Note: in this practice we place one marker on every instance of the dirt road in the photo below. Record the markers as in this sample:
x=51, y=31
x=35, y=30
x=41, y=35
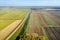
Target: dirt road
x=5, y=32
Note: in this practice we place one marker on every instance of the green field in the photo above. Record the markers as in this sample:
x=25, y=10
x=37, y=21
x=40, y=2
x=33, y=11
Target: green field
x=4, y=23
x=20, y=30
x=9, y=15
x=13, y=14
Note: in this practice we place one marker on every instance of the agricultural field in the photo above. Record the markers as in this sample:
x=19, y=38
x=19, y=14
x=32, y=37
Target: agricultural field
x=49, y=20
x=29, y=24
x=10, y=17
x=7, y=16
x=55, y=13
x=4, y=23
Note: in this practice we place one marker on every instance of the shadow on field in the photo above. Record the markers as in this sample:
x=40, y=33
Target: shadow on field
x=22, y=33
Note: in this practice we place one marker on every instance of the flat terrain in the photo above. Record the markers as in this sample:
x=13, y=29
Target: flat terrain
x=55, y=13
x=9, y=15
x=10, y=18
x=13, y=14
x=34, y=28
x=6, y=31
x=4, y=23
x=53, y=17
x=38, y=23
x=34, y=24
x=29, y=24
x=51, y=21
x=51, y=27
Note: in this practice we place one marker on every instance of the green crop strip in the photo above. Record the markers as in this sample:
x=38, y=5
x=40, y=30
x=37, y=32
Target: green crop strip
x=50, y=21
x=46, y=37
x=7, y=16
x=17, y=33
x=4, y=23
x=17, y=14
x=22, y=33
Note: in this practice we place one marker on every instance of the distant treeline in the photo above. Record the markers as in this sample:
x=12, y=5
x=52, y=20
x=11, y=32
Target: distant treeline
x=42, y=7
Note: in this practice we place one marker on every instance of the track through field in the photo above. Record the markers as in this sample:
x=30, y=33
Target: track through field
x=6, y=31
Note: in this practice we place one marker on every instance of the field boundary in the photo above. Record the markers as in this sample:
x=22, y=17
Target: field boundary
x=5, y=32
x=53, y=17
x=15, y=30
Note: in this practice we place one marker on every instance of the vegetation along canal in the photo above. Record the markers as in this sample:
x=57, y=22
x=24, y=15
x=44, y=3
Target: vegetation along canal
x=22, y=33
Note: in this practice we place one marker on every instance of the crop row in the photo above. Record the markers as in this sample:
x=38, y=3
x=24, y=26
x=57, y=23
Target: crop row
x=50, y=22
x=7, y=16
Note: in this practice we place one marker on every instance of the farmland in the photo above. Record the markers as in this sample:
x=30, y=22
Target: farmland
x=7, y=16
x=29, y=24
x=55, y=13
x=4, y=23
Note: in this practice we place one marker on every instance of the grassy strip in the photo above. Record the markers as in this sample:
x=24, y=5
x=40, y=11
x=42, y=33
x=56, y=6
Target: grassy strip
x=32, y=36
x=23, y=31
x=4, y=23
x=45, y=35
x=1, y=14
x=50, y=21
x=28, y=36
x=17, y=14
x=7, y=16
x=55, y=13
x=13, y=37
x=18, y=31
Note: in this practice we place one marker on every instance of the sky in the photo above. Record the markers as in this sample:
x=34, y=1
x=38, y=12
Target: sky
x=29, y=2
